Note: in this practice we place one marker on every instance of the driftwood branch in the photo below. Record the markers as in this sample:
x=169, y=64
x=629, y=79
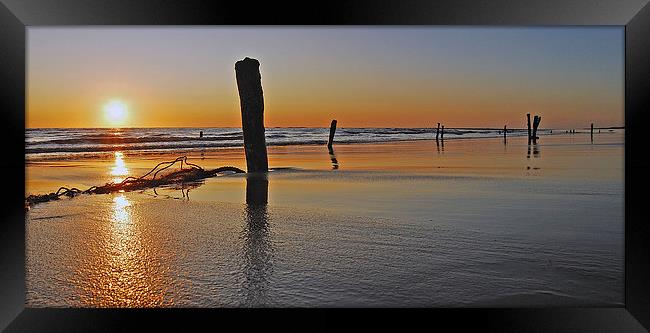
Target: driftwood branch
x=194, y=173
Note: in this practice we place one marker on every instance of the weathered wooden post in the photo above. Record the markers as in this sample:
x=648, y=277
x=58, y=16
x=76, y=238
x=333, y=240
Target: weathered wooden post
x=332, y=131
x=442, y=132
x=529, y=134
x=249, y=83
x=437, y=131
x=504, y=132
x=536, y=121
x=592, y=132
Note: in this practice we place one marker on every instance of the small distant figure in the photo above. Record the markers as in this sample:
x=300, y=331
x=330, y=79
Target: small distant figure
x=201, y=134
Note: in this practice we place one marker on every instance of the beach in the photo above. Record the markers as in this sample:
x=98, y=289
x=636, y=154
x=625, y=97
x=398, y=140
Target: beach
x=471, y=221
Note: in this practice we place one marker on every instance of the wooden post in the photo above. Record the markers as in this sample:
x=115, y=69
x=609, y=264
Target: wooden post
x=592, y=132
x=332, y=131
x=442, y=132
x=536, y=121
x=504, y=132
x=529, y=133
x=437, y=131
x=249, y=83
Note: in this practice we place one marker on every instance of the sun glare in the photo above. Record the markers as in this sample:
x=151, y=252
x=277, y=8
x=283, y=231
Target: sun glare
x=115, y=112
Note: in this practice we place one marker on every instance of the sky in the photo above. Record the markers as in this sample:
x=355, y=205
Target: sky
x=361, y=76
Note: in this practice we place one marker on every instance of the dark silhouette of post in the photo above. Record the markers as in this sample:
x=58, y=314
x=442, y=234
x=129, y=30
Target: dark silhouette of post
x=442, y=132
x=249, y=83
x=332, y=131
x=257, y=189
x=592, y=132
x=504, y=132
x=529, y=133
x=437, y=131
x=536, y=121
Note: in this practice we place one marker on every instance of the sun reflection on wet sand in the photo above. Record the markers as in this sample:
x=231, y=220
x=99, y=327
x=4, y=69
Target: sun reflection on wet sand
x=120, y=215
x=127, y=274
x=119, y=169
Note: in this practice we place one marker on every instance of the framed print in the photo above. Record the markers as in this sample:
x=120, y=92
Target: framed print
x=474, y=164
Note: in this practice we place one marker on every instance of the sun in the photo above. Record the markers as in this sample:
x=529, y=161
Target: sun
x=116, y=112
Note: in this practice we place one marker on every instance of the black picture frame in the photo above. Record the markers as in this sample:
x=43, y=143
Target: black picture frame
x=17, y=15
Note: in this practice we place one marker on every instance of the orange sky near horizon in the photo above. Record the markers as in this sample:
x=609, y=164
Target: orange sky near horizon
x=460, y=80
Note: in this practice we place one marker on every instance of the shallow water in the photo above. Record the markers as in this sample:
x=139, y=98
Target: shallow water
x=397, y=224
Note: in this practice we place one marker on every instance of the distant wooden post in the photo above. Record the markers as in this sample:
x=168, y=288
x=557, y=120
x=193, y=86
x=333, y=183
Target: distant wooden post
x=529, y=133
x=442, y=132
x=592, y=132
x=504, y=132
x=536, y=121
x=249, y=83
x=437, y=131
x=332, y=131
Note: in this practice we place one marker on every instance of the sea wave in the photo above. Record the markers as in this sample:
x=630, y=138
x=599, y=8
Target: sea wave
x=65, y=141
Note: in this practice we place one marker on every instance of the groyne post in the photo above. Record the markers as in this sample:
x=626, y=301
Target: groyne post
x=529, y=133
x=592, y=132
x=536, y=121
x=249, y=84
x=437, y=131
x=332, y=131
x=442, y=132
x=504, y=132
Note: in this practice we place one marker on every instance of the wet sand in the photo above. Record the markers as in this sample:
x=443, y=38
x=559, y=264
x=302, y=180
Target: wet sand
x=472, y=222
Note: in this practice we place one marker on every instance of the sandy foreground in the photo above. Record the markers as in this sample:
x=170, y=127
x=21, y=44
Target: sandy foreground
x=471, y=222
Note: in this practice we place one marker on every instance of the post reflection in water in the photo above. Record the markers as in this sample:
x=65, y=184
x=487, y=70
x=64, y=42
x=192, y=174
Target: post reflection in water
x=258, y=251
x=535, y=154
x=335, y=162
x=535, y=151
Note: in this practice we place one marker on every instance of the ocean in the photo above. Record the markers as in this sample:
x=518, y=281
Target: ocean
x=56, y=143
